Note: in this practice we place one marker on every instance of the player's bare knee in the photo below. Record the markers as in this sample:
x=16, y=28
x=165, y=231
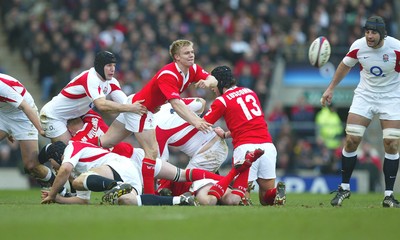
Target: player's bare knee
x=31, y=167
x=78, y=183
x=352, y=142
x=231, y=199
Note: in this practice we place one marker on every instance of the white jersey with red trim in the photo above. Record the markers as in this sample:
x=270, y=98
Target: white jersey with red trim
x=12, y=92
x=76, y=99
x=379, y=68
x=172, y=130
x=85, y=156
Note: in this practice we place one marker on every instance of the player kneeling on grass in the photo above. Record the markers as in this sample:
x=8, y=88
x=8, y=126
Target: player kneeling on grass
x=99, y=170
x=245, y=120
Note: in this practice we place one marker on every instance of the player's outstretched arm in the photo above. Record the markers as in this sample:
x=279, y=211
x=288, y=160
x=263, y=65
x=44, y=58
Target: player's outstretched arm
x=61, y=178
x=209, y=82
x=105, y=105
x=341, y=71
x=65, y=200
x=183, y=111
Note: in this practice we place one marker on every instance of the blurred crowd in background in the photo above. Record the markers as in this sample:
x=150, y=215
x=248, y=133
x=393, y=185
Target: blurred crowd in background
x=58, y=39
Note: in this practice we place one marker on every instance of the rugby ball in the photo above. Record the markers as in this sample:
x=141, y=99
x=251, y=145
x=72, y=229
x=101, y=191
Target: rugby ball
x=319, y=52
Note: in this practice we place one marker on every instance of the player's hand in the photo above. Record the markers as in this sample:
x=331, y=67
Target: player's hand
x=326, y=98
x=203, y=126
x=139, y=108
x=201, y=84
x=48, y=200
x=220, y=132
x=44, y=193
x=41, y=132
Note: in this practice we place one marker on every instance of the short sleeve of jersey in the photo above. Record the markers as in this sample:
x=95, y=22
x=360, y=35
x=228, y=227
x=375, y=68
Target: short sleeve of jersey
x=201, y=74
x=93, y=88
x=116, y=94
x=71, y=156
x=168, y=86
x=216, y=111
x=351, y=58
x=9, y=95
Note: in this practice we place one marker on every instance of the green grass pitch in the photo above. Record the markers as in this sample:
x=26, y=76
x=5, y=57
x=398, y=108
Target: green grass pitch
x=305, y=216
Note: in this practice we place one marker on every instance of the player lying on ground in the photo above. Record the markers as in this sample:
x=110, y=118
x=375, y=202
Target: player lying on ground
x=207, y=191
x=97, y=169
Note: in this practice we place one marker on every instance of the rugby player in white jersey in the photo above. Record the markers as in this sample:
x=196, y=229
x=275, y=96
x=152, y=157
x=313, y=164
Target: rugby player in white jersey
x=377, y=94
x=206, y=150
x=87, y=90
x=19, y=121
x=97, y=169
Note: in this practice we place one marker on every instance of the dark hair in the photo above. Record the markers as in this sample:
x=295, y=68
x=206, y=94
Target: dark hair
x=224, y=76
x=376, y=23
x=103, y=58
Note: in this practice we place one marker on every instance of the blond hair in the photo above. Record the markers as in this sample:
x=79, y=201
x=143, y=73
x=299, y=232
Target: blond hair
x=177, y=45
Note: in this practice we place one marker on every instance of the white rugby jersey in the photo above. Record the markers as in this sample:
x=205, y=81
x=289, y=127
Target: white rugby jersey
x=379, y=68
x=85, y=156
x=172, y=130
x=12, y=92
x=77, y=97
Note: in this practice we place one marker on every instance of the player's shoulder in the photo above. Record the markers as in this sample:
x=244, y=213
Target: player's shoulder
x=169, y=70
x=113, y=81
x=359, y=44
x=7, y=78
x=392, y=42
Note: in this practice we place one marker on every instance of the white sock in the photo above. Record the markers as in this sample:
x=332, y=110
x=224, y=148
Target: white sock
x=139, y=200
x=345, y=186
x=176, y=200
x=48, y=175
x=388, y=193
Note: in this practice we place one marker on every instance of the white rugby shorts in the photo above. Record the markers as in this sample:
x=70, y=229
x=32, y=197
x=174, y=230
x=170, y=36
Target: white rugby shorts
x=265, y=166
x=18, y=125
x=52, y=127
x=212, y=158
x=384, y=105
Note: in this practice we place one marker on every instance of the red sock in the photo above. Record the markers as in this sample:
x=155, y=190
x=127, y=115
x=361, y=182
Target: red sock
x=164, y=183
x=148, y=166
x=241, y=183
x=269, y=196
x=197, y=174
x=219, y=188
